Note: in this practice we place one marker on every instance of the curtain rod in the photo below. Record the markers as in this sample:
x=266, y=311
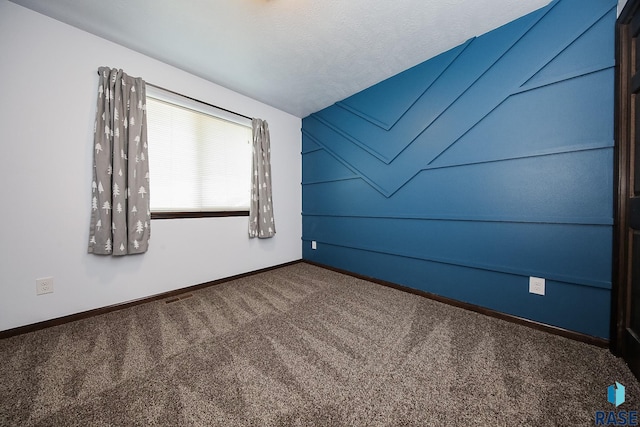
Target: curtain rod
x=196, y=100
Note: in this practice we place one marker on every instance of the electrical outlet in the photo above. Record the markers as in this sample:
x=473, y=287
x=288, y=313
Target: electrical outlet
x=44, y=285
x=314, y=245
x=536, y=285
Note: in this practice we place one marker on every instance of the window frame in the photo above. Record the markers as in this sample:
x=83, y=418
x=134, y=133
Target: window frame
x=180, y=100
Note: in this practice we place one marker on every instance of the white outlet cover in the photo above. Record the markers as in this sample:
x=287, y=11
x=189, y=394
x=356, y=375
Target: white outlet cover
x=536, y=285
x=44, y=285
x=314, y=245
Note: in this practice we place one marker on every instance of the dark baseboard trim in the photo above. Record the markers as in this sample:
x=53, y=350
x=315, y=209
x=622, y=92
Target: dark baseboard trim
x=577, y=336
x=600, y=342
x=102, y=310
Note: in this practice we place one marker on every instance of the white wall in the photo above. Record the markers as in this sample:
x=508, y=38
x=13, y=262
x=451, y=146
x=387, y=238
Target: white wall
x=48, y=83
x=621, y=4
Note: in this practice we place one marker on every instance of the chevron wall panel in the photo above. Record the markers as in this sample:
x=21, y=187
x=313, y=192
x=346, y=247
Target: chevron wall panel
x=476, y=169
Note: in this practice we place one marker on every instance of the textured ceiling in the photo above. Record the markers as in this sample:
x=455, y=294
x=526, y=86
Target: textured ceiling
x=297, y=55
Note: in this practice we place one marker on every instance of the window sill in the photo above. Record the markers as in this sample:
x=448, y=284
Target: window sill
x=179, y=215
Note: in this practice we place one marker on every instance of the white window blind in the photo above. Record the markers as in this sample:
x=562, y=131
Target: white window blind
x=199, y=156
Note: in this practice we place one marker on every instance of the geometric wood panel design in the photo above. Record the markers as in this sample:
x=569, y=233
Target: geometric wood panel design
x=472, y=171
x=489, y=70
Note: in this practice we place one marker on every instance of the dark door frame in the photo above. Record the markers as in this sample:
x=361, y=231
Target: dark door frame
x=622, y=173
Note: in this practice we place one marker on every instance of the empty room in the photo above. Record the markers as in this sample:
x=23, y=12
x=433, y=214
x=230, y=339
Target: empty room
x=319, y=213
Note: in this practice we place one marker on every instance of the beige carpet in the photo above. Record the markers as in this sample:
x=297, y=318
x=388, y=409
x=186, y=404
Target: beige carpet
x=303, y=346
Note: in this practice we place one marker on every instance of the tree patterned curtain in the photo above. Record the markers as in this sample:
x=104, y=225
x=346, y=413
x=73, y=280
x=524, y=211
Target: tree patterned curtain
x=120, y=215
x=261, y=222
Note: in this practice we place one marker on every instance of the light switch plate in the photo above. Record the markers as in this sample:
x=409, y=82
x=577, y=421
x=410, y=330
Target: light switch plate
x=314, y=245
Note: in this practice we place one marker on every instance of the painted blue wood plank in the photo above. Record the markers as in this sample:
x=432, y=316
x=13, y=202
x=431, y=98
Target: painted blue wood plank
x=573, y=114
x=309, y=145
x=478, y=56
x=570, y=187
x=320, y=166
x=553, y=30
x=374, y=104
x=341, y=149
x=550, y=36
x=573, y=253
x=592, y=50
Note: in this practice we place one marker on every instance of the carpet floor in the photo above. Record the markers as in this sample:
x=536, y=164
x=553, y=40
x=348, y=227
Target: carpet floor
x=303, y=346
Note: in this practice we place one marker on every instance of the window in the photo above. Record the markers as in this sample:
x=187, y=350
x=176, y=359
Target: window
x=199, y=158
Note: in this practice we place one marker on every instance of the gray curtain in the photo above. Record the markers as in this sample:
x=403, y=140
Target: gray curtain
x=120, y=216
x=261, y=222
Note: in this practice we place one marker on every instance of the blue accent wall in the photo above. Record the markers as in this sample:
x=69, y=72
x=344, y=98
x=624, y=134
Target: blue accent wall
x=478, y=168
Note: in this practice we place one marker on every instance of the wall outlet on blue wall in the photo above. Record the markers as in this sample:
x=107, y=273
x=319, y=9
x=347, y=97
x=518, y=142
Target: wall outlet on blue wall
x=314, y=245
x=536, y=285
